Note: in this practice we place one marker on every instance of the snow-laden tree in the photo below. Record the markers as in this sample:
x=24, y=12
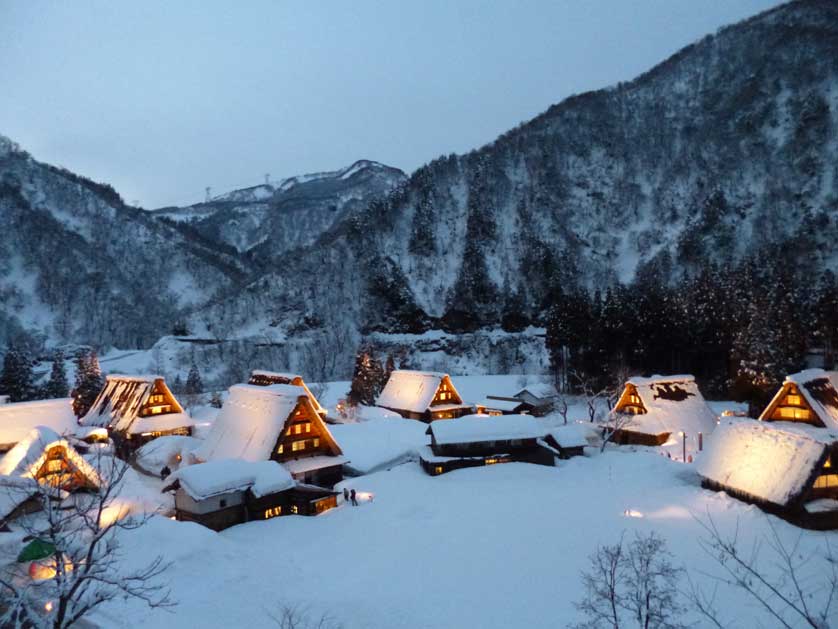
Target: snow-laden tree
x=89, y=381
x=194, y=383
x=83, y=559
x=16, y=378
x=57, y=385
x=367, y=378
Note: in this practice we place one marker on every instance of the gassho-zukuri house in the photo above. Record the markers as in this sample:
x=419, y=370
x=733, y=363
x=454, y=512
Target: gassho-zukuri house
x=137, y=409
x=659, y=408
x=18, y=419
x=422, y=395
x=262, y=378
x=808, y=397
x=279, y=423
x=478, y=440
x=223, y=493
x=787, y=468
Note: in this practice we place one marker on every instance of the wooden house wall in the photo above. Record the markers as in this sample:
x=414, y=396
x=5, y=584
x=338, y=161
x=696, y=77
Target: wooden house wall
x=791, y=406
x=303, y=428
x=629, y=437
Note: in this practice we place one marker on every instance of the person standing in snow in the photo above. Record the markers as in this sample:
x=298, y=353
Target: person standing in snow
x=345, y=494
x=354, y=499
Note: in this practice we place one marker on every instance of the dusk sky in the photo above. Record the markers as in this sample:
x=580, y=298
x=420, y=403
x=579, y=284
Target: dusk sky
x=161, y=99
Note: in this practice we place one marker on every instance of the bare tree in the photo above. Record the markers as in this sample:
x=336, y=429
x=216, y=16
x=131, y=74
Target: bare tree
x=631, y=584
x=84, y=565
x=596, y=399
x=561, y=406
x=784, y=592
x=290, y=617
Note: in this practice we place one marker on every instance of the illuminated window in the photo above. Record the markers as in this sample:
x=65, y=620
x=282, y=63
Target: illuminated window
x=280, y=449
x=298, y=445
x=490, y=461
x=826, y=481
x=793, y=400
x=307, y=427
x=273, y=512
x=294, y=509
x=438, y=469
x=316, y=442
x=790, y=412
x=828, y=463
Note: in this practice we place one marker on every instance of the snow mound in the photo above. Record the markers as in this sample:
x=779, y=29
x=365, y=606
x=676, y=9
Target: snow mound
x=164, y=451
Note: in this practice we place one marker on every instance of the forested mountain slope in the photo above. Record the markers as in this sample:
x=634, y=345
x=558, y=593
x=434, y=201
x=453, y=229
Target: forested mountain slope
x=726, y=149
x=78, y=265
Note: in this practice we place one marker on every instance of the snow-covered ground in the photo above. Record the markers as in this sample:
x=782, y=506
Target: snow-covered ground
x=498, y=546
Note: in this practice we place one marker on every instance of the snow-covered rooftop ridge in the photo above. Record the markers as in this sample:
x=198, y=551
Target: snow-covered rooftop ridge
x=477, y=428
x=763, y=460
x=500, y=405
x=659, y=379
x=204, y=480
x=808, y=375
x=18, y=418
x=410, y=390
x=539, y=390
x=274, y=374
x=272, y=390
x=134, y=377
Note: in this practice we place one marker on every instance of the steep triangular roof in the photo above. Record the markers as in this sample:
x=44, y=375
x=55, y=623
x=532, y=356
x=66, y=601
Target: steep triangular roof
x=773, y=463
x=413, y=390
x=819, y=389
x=119, y=403
x=252, y=419
x=672, y=403
x=260, y=377
x=27, y=458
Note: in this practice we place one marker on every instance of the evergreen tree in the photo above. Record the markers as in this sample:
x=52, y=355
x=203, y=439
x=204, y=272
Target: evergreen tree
x=177, y=385
x=194, y=384
x=57, y=385
x=17, y=379
x=366, y=378
x=89, y=381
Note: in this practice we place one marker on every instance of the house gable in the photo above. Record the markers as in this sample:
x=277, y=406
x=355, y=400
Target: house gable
x=630, y=402
x=304, y=434
x=790, y=404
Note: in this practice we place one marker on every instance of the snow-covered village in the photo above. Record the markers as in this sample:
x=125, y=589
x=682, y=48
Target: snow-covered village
x=419, y=315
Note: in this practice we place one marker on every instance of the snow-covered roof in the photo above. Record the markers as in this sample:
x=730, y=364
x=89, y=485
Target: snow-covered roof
x=410, y=390
x=763, y=460
x=249, y=424
x=309, y=464
x=570, y=435
x=28, y=456
x=501, y=405
x=673, y=404
x=18, y=419
x=204, y=480
x=14, y=491
x=819, y=388
x=477, y=428
x=542, y=390
x=119, y=403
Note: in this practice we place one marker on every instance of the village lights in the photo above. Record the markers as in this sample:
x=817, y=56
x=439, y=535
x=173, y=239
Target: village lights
x=632, y=513
x=48, y=606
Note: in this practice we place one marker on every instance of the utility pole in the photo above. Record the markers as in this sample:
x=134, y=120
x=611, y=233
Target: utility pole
x=208, y=195
x=267, y=179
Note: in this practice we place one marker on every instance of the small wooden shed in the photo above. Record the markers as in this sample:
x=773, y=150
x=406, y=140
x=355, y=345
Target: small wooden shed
x=422, y=395
x=477, y=440
x=496, y=405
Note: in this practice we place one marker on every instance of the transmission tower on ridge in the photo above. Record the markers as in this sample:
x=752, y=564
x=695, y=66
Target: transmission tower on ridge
x=267, y=179
x=208, y=194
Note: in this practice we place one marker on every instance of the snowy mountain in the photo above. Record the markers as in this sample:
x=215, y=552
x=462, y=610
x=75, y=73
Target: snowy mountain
x=270, y=219
x=726, y=149
x=77, y=264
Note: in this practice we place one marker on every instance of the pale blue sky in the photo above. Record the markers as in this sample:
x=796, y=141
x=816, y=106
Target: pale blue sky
x=163, y=98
